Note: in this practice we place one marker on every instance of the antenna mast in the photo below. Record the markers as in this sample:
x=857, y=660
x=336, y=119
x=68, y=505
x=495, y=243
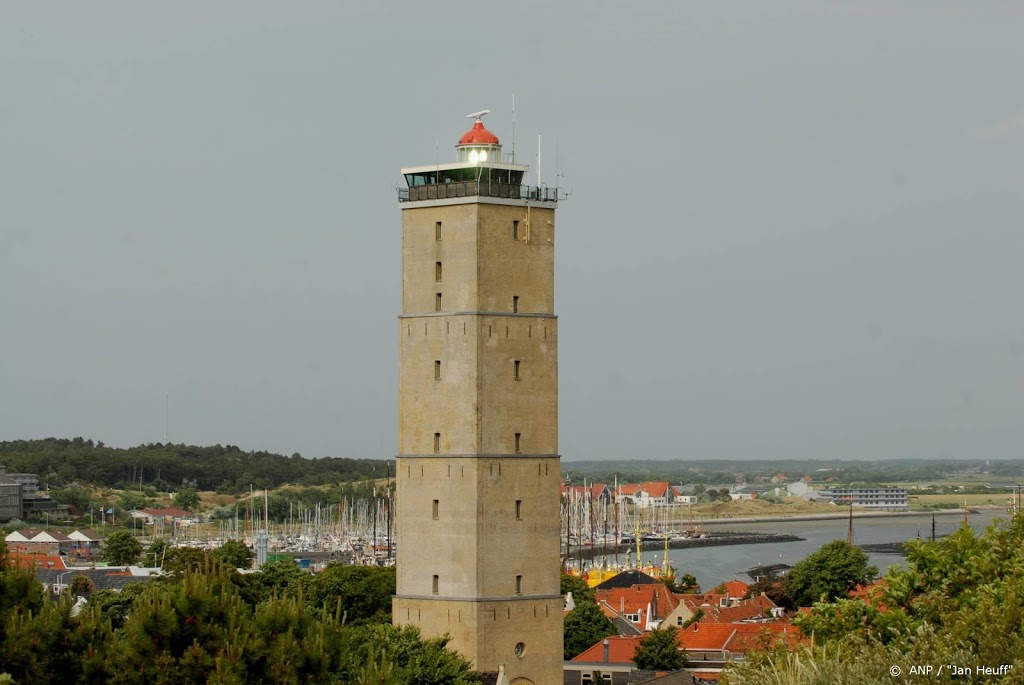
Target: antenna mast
x=513, y=128
x=539, y=177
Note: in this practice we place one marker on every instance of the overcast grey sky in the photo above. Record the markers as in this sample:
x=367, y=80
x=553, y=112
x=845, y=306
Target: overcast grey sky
x=796, y=228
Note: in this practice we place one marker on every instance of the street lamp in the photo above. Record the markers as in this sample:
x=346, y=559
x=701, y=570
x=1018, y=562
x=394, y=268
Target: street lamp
x=60, y=584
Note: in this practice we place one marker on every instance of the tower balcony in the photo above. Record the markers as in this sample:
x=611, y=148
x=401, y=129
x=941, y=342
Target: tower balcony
x=481, y=188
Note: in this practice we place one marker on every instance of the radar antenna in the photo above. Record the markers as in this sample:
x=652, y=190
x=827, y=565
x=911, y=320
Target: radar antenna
x=478, y=115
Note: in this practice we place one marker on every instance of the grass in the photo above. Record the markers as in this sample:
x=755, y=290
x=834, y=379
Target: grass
x=954, y=501
x=789, y=507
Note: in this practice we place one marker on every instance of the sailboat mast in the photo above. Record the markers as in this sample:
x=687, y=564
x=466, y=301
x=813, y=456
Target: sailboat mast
x=617, y=539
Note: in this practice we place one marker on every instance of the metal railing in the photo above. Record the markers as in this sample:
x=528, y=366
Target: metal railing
x=445, y=191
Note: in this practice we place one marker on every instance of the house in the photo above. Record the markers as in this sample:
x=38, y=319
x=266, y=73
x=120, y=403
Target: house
x=728, y=627
x=101, y=577
x=613, y=657
x=682, y=497
x=870, y=498
x=43, y=541
x=730, y=594
x=85, y=542
x=735, y=589
x=747, y=492
x=646, y=495
x=726, y=641
x=596, y=492
x=15, y=538
x=755, y=609
x=35, y=561
x=689, y=606
x=644, y=606
x=169, y=515
x=797, y=488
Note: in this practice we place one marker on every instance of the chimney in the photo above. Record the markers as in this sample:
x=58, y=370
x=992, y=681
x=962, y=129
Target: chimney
x=607, y=648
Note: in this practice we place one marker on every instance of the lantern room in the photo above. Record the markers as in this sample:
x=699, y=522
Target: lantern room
x=478, y=145
x=480, y=170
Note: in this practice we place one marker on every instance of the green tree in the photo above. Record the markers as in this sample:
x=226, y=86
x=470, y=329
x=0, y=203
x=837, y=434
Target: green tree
x=584, y=625
x=131, y=501
x=660, y=651
x=76, y=497
x=281, y=576
x=957, y=601
x=776, y=589
x=363, y=592
x=684, y=584
x=81, y=585
x=155, y=553
x=175, y=632
x=180, y=560
x=234, y=554
x=377, y=671
x=416, y=661
x=120, y=548
x=187, y=499
x=831, y=572
x=581, y=592
x=115, y=605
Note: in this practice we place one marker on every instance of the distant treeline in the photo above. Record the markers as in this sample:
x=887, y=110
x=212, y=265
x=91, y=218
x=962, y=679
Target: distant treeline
x=167, y=466
x=720, y=471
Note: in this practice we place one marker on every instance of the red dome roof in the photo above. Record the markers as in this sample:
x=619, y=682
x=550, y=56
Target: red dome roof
x=478, y=135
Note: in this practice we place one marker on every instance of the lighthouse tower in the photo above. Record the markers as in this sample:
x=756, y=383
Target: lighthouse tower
x=478, y=466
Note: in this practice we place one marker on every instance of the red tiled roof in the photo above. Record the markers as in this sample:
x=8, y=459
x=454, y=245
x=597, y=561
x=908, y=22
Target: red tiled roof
x=655, y=488
x=34, y=560
x=637, y=599
x=739, y=637
x=736, y=588
x=868, y=592
x=708, y=599
x=706, y=636
x=620, y=650
x=756, y=607
x=629, y=488
x=594, y=490
x=753, y=636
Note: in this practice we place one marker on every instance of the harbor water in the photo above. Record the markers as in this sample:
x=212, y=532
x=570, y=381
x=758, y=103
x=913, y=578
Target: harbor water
x=714, y=565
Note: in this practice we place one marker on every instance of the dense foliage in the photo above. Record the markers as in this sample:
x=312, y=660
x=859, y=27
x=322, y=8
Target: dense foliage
x=829, y=573
x=958, y=602
x=169, y=467
x=660, y=651
x=586, y=624
x=121, y=548
x=216, y=626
